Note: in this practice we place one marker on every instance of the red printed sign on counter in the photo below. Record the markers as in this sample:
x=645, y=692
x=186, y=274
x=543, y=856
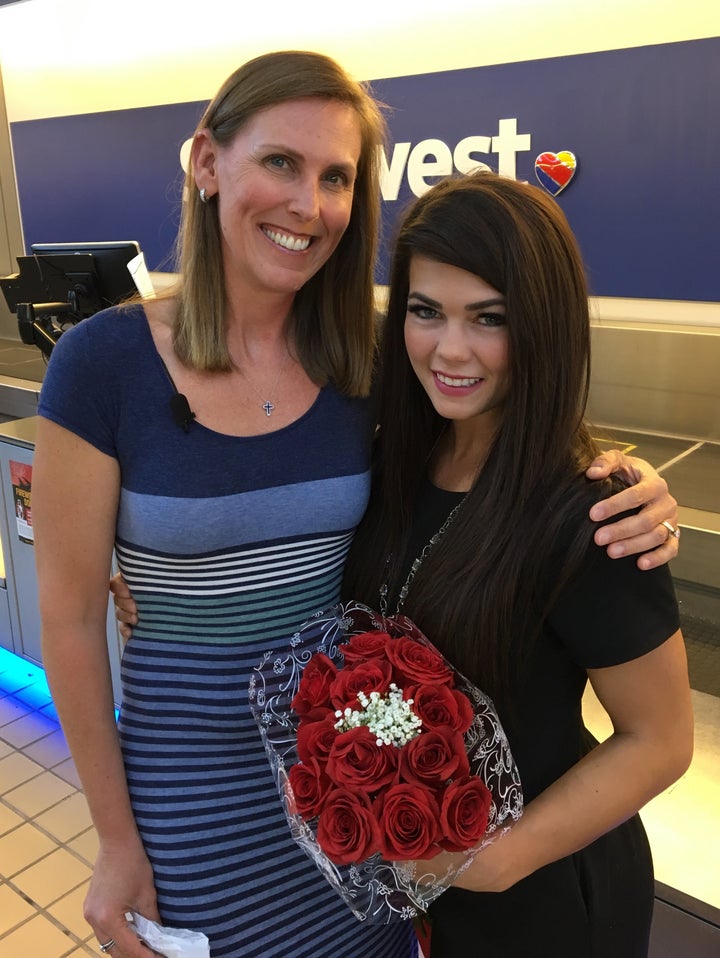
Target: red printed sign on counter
x=21, y=478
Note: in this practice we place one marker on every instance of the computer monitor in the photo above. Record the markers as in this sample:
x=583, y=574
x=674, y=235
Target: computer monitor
x=110, y=260
x=61, y=284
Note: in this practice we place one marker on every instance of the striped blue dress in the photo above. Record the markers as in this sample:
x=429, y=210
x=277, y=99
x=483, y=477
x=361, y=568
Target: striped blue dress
x=228, y=543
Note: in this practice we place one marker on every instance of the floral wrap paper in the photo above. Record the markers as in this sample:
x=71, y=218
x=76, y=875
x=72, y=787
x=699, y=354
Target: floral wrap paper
x=376, y=890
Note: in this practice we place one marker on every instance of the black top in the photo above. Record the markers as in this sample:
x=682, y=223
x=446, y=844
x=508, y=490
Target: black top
x=598, y=902
x=610, y=612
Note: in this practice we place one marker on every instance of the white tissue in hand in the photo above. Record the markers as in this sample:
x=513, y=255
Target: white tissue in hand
x=171, y=942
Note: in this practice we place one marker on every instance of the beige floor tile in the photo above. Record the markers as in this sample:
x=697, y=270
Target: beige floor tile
x=39, y=794
x=31, y=727
x=5, y=749
x=67, y=771
x=22, y=847
x=52, y=878
x=10, y=709
x=69, y=912
x=16, y=769
x=49, y=751
x=8, y=819
x=13, y=909
x=38, y=938
x=36, y=696
x=67, y=819
x=86, y=846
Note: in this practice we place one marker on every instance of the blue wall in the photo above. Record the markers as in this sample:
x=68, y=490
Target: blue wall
x=642, y=122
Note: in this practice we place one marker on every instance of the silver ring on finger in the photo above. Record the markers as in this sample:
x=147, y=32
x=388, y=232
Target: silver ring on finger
x=107, y=946
x=671, y=530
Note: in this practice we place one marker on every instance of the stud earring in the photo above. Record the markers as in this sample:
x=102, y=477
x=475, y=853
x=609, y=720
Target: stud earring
x=203, y=195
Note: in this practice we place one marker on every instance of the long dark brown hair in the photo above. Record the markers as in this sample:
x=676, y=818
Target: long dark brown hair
x=487, y=581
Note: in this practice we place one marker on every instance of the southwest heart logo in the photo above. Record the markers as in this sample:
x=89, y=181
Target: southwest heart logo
x=555, y=170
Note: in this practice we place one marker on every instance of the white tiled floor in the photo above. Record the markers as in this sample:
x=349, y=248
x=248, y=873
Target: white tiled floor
x=48, y=844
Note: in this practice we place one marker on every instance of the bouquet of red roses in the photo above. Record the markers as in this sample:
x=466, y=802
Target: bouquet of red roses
x=393, y=769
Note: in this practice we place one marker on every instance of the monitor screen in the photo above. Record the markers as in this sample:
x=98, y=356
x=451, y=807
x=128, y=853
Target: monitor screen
x=110, y=260
x=61, y=284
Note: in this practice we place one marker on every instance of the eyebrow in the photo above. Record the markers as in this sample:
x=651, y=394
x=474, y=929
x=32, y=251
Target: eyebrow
x=483, y=304
x=346, y=166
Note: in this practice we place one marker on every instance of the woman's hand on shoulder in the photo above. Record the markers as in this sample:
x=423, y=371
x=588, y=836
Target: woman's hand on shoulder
x=644, y=532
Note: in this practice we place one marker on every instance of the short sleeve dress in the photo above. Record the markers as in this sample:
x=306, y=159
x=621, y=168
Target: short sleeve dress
x=598, y=902
x=227, y=544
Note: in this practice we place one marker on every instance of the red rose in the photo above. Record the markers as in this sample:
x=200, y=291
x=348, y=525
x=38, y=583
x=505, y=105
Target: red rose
x=464, y=813
x=347, y=830
x=368, y=645
x=439, y=705
x=372, y=676
x=315, y=739
x=314, y=690
x=434, y=757
x=309, y=784
x=357, y=761
x=408, y=816
x=417, y=664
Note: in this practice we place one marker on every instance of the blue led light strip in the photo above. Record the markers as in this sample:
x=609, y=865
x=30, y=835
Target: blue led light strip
x=25, y=681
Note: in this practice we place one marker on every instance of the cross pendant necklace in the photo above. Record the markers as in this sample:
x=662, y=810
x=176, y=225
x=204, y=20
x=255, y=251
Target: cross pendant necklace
x=266, y=404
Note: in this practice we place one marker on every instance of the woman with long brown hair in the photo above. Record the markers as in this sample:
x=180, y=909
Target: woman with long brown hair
x=477, y=529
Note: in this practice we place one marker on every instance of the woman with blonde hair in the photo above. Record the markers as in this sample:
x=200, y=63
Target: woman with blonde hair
x=218, y=439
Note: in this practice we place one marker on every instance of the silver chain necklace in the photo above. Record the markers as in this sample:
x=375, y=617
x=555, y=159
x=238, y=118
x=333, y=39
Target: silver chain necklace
x=266, y=404
x=418, y=562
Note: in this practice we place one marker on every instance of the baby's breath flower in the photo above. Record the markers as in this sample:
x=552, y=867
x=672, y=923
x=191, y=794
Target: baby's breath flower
x=388, y=717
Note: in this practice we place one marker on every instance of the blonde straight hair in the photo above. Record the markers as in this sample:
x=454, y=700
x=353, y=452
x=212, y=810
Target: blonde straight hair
x=334, y=316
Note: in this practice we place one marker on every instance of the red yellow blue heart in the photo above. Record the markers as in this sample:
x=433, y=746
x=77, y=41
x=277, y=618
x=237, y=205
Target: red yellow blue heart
x=555, y=170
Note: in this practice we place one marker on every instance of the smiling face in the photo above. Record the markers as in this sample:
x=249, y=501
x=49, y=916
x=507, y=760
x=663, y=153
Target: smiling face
x=284, y=188
x=457, y=343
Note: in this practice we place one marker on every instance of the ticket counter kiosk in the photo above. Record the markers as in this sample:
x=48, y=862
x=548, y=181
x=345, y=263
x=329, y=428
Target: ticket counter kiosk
x=19, y=614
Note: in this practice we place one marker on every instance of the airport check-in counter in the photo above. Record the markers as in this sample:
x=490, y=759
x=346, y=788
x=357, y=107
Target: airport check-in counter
x=19, y=613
